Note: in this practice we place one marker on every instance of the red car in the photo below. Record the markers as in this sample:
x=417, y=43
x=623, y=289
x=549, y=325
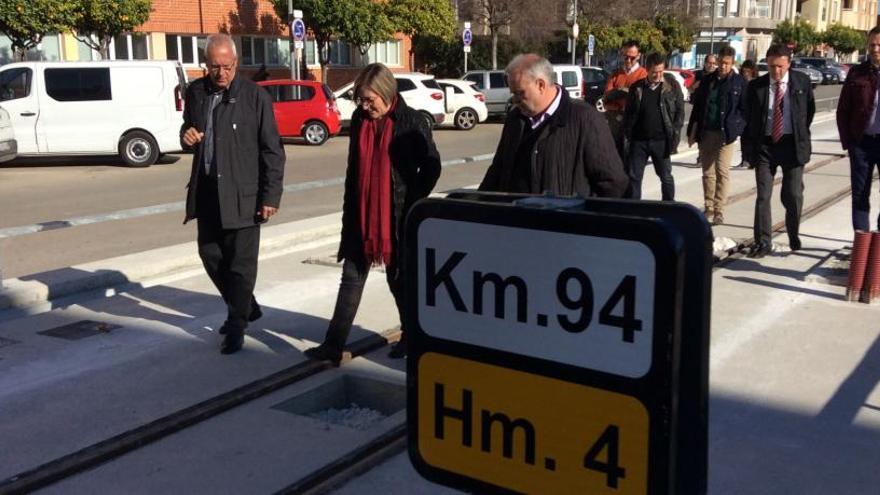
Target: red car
x=688, y=76
x=305, y=109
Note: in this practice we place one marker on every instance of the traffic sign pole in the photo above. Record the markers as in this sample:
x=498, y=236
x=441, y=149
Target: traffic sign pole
x=297, y=38
x=466, y=39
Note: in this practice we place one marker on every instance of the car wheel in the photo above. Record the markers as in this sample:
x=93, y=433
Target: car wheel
x=138, y=149
x=429, y=119
x=465, y=119
x=315, y=133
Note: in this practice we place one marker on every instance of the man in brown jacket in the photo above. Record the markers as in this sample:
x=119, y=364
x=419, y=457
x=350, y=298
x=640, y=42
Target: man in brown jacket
x=858, y=122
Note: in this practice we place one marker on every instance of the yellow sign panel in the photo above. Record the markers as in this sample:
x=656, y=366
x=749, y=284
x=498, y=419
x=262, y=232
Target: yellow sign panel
x=529, y=433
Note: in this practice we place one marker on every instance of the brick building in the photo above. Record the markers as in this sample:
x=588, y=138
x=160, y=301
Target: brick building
x=177, y=30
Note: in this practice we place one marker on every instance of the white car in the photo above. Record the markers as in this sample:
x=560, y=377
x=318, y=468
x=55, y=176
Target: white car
x=680, y=80
x=8, y=144
x=465, y=106
x=420, y=92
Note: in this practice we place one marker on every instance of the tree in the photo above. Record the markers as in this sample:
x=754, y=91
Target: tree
x=843, y=39
x=800, y=33
x=610, y=37
x=497, y=15
x=677, y=36
x=324, y=18
x=366, y=22
x=423, y=18
x=99, y=21
x=26, y=22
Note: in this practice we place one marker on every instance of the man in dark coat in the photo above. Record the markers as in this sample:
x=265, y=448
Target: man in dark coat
x=652, y=126
x=717, y=120
x=858, y=122
x=781, y=108
x=236, y=179
x=551, y=143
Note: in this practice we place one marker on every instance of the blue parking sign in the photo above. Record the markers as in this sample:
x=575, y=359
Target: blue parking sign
x=467, y=36
x=299, y=30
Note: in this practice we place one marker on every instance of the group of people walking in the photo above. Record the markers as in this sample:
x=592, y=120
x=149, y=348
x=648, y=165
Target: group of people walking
x=549, y=143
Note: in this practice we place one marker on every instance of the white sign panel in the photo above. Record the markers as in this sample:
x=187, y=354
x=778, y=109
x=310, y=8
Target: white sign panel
x=579, y=300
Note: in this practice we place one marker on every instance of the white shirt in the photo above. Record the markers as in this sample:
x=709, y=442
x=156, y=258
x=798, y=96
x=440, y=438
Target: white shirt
x=786, y=108
x=539, y=119
x=634, y=68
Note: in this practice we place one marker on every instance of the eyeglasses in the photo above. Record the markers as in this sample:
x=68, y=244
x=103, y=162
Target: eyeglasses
x=216, y=69
x=364, y=101
x=634, y=57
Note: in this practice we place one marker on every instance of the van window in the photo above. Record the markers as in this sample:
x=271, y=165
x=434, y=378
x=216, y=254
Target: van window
x=477, y=78
x=78, y=84
x=569, y=78
x=15, y=83
x=497, y=80
x=405, y=85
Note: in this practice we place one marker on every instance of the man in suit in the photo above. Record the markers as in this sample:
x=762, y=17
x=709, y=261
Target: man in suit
x=236, y=179
x=781, y=108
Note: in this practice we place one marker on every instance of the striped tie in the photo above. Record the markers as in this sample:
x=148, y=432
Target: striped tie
x=777, y=113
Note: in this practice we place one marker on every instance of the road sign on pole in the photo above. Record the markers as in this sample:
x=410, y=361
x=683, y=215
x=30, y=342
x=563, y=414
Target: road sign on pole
x=554, y=368
x=297, y=35
x=467, y=36
x=591, y=44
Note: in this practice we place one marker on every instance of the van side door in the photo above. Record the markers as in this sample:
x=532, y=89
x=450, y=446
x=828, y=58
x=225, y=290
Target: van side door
x=18, y=95
x=78, y=113
x=497, y=94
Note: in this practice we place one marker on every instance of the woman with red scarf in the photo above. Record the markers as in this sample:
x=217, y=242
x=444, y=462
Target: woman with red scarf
x=392, y=163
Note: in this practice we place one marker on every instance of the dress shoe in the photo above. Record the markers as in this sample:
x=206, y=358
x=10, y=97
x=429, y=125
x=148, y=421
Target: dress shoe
x=794, y=243
x=760, y=250
x=324, y=353
x=256, y=314
x=398, y=350
x=719, y=218
x=232, y=342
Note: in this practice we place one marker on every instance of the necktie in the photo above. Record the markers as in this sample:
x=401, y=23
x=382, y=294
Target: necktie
x=777, y=113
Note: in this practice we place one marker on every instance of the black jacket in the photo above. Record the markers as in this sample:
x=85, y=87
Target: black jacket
x=671, y=110
x=732, y=100
x=247, y=149
x=573, y=155
x=415, y=168
x=803, y=107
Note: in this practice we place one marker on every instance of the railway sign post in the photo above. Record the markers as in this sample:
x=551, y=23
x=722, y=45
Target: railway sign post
x=546, y=350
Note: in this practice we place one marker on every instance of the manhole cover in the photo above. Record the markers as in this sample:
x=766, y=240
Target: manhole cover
x=80, y=330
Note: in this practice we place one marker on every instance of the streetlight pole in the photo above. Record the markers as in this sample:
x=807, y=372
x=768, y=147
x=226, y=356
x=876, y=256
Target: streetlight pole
x=712, y=33
x=574, y=33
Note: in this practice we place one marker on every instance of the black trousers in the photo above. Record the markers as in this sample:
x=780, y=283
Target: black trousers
x=771, y=156
x=228, y=255
x=351, y=288
x=639, y=151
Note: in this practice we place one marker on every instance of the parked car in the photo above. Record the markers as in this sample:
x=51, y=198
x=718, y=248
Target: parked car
x=594, y=81
x=688, y=75
x=830, y=73
x=493, y=84
x=305, y=109
x=8, y=145
x=843, y=68
x=761, y=67
x=571, y=78
x=816, y=77
x=464, y=105
x=420, y=91
x=680, y=81
x=133, y=109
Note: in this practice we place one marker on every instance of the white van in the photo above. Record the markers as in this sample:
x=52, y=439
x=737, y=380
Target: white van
x=134, y=109
x=571, y=78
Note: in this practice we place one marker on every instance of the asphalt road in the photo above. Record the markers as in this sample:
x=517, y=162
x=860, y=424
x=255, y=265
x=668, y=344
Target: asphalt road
x=52, y=191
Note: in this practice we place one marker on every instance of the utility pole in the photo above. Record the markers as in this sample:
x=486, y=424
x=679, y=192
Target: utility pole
x=712, y=34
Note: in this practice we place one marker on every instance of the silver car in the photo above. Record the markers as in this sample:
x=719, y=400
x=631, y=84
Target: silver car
x=493, y=84
x=815, y=75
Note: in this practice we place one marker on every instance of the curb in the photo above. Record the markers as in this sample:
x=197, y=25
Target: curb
x=140, y=268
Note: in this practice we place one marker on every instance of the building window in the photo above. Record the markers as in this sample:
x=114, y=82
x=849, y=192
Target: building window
x=48, y=50
x=847, y=4
x=185, y=49
x=733, y=8
x=311, y=53
x=386, y=52
x=340, y=53
x=269, y=51
x=129, y=47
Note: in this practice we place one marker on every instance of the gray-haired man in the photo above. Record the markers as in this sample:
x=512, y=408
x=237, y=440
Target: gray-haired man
x=551, y=143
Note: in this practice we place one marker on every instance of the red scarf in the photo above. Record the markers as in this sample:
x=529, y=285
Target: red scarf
x=374, y=173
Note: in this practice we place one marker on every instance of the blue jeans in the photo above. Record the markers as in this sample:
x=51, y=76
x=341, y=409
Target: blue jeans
x=864, y=157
